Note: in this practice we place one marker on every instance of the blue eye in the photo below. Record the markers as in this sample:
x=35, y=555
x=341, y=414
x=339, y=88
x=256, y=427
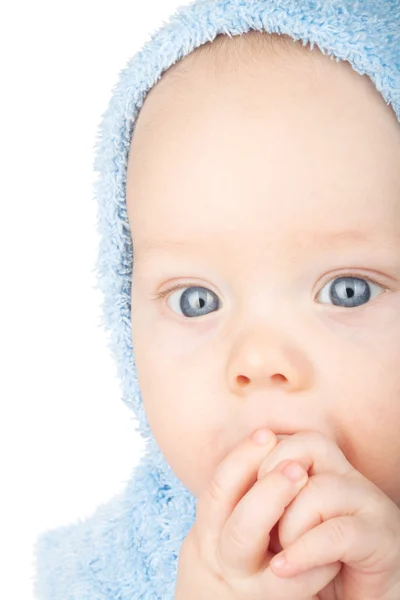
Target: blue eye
x=196, y=301
x=348, y=291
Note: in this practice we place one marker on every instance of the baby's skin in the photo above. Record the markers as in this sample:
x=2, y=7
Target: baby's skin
x=264, y=206
x=340, y=532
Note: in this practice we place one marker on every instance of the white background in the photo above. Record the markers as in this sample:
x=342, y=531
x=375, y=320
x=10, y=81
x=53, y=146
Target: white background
x=67, y=441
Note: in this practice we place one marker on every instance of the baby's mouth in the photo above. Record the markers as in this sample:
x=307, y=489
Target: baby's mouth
x=274, y=545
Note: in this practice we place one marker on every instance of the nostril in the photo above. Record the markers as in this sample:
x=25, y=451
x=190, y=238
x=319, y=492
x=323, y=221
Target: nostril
x=279, y=377
x=242, y=380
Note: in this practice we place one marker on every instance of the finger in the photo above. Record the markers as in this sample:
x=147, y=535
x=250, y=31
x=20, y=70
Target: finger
x=232, y=479
x=246, y=535
x=305, y=585
x=317, y=450
x=325, y=497
x=344, y=539
x=365, y=539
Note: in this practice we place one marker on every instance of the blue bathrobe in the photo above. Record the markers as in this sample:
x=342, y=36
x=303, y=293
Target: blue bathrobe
x=129, y=548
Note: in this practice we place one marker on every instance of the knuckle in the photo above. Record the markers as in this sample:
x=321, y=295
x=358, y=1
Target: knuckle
x=318, y=482
x=236, y=536
x=212, y=494
x=322, y=482
x=321, y=442
x=338, y=532
x=214, y=490
x=310, y=435
x=303, y=549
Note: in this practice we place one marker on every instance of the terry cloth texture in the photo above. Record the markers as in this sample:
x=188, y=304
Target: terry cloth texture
x=129, y=548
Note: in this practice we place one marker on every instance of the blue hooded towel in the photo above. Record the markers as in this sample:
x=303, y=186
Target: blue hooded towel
x=129, y=548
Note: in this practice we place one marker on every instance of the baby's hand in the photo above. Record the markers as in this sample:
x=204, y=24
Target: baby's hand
x=338, y=516
x=226, y=555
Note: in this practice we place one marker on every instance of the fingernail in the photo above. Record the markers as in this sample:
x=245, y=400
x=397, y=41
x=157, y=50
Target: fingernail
x=294, y=472
x=279, y=561
x=262, y=436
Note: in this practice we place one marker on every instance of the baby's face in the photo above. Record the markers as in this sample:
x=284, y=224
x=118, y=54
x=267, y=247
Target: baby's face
x=273, y=200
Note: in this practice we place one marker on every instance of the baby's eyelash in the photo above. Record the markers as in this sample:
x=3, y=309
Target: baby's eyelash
x=187, y=284
x=355, y=275
x=179, y=286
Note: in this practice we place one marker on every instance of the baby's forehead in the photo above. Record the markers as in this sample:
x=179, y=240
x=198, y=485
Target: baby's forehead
x=256, y=66
x=316, y=116
x=226, y=56
x=232, y=60
x=282, y=76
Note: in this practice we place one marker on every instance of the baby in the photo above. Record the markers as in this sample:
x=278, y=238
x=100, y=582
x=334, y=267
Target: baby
x=249, y=210
x=263, y=194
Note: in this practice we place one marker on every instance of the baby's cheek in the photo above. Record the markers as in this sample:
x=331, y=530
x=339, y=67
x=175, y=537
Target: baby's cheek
x=203, y=456
x=369, y=324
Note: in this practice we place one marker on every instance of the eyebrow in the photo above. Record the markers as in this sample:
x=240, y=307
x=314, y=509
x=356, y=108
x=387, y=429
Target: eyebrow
x=317, y=240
